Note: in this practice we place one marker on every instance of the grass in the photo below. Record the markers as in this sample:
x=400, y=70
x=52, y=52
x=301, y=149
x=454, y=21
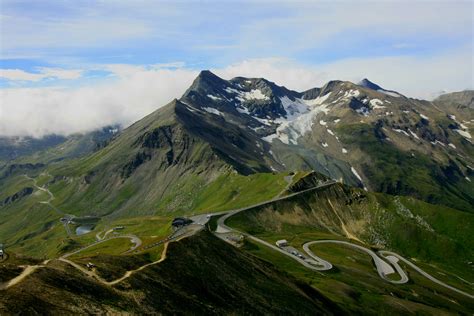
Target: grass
x=354, y=273
x=397, y=172
x=234, y=191
x=354, y=282
x=115, y=246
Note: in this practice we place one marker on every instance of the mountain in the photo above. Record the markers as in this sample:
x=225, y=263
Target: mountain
x=362, y=134
x=235, y=283
x=247, y=143
x=54, y=147
x=358, y=134
x=366, y=83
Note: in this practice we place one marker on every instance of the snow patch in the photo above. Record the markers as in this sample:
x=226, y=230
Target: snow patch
x=436, y=142
x=255, y=94
x=376, y=104
x=363, y=111
x=344, y=151
x=242, y=110
x=400, y=131
x=351, y=93
x=322, y=122
x=330, y=132
x=295, y=126
x=317, y=101
x=358, y=177
x=336, y=121
x=324, y=145
x=464, y=134
x=413, y=134
x=213, y=97
x=232, y=90
x=293, y=108
x=452, y=145
x=213, y=111
x=424, y=117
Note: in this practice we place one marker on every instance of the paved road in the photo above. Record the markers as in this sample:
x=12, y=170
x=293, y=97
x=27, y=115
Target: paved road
x=201, y=219
x=387, y=254
x=326, y=264
x=133, y=239
x=383, y=268
x=222, y=228
x=307, y=263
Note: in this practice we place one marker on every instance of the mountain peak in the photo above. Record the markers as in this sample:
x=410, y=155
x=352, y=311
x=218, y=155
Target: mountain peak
x=206, y=82
x=366, y=83
x=369, y=84
x=207, y=74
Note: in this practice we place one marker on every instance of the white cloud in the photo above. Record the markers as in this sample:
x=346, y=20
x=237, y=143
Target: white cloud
x=419, y=77
x=43, y=72
x=18, y=74
x=135, y=91
x=41, y=111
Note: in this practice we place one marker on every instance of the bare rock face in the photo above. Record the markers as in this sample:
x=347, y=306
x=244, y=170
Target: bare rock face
x=18, y=195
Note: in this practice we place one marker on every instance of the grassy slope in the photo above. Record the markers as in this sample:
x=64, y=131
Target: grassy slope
x=227, y=280
x=397, y=172
x=27, y=223
x=376, y=218
x=354, y=284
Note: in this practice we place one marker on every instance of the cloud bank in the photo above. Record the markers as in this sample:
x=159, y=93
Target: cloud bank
x=131, y=92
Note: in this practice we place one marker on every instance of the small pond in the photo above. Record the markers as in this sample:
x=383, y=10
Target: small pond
x=84, y=229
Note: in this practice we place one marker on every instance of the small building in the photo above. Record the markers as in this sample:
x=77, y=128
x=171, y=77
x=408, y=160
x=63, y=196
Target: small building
x=90, y=265
x=179, y=222
x=281, y=243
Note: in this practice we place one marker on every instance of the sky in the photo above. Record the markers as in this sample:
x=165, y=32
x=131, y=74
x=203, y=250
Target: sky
x=72, y=66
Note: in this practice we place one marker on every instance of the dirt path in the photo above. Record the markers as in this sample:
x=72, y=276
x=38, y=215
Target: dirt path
x=48, y=202
x=26, y=272
x=127, y=274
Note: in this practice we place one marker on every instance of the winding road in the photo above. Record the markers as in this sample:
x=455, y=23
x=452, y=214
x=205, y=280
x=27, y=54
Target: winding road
x=394, y=256
x=67, y=217
x=222, y=228
x=384, y=268
x=133, y=239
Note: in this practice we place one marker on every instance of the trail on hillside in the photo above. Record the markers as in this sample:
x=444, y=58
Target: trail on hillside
x=48, y=202
x=26, y=272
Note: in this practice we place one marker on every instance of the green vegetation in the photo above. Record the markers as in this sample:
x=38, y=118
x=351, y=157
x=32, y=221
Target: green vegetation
x=407, y=173
x=443, y=244
x=240, y=284
x=115, y=246
x=234, y=191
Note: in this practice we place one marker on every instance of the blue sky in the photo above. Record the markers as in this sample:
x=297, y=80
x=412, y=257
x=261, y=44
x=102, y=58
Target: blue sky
x=416, y=47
